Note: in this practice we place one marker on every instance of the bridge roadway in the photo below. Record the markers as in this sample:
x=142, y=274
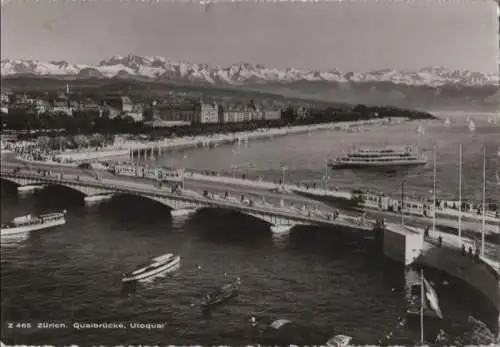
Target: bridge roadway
x=280, y=218
x=255, y=190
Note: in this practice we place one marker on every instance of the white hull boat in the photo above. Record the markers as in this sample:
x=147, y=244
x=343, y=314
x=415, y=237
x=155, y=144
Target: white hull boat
x=339, y=341
x=27, y=223
x=158, y=266
x=391, y=156
x=380, y=164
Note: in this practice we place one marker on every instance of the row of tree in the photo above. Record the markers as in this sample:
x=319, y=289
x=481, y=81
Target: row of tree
x=89, y=123
x=61, y=142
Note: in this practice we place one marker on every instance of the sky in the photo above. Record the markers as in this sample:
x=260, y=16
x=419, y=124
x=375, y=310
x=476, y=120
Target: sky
x=348, y=36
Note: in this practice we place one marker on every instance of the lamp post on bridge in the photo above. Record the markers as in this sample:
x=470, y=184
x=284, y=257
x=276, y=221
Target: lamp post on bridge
x=283, y=170
x=325, y=177
x=183, y=170
x=235, y=152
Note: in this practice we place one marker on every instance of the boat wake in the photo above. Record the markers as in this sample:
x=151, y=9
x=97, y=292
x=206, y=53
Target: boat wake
x=13, y=240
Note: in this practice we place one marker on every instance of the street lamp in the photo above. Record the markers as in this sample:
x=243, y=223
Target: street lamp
x=234, y=167
x=183, y=170
x=325, y=177
x=183, y=173
x=283, y=169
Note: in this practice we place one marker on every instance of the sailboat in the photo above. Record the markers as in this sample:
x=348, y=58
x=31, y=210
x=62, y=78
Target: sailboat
x=420, y=129
x=447, y=122
x=472, y=126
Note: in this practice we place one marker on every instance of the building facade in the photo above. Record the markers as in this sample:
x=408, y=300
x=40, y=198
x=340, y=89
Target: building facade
x=137, y=113
x=184, y=112
x=209, y=113
x=121, y=103
x=272, y=114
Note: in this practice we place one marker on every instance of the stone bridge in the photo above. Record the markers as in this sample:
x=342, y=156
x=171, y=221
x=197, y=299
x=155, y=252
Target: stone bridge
x=281, y=219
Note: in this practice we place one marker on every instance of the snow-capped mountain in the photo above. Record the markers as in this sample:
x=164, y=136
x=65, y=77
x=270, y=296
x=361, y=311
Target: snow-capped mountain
x=161, y=69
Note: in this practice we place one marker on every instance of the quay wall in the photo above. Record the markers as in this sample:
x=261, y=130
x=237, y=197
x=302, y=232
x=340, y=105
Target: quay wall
x=475, y=273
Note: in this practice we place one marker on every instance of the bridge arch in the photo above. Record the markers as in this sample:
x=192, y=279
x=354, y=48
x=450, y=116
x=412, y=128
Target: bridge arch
x=15, y=181
x=154, y=199
x=84, y=190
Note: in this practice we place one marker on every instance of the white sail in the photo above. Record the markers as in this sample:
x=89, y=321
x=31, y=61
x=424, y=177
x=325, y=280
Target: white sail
x=447, y=122
x=421, y=129
x=472, y=126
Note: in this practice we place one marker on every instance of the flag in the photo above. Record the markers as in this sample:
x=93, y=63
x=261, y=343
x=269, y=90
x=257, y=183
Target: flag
x=431, y=299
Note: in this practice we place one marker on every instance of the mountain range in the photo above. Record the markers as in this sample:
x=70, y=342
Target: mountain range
x=430, y=86
x=161, y=69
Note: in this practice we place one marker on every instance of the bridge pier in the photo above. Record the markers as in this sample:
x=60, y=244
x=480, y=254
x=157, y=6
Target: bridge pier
x=281, y=228
x=183, y=212
x=29, y=188
x=97, y=198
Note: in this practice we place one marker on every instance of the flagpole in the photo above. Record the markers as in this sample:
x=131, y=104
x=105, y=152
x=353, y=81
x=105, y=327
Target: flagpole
x=402, y=202
x=421, y=306
x=460, y=198
x=434, y=195
x=484, y=201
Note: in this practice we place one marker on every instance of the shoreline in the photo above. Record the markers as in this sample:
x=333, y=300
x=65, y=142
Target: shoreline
x=142, y=148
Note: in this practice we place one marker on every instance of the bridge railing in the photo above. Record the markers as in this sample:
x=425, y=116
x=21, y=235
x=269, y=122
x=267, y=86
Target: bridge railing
x=190, y=199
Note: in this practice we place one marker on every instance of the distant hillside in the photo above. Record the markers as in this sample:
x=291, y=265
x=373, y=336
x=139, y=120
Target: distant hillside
x=427, y=88
x=148, y=89
x=381, y=93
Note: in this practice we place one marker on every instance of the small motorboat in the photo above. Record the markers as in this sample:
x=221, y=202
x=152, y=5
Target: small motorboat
x=263, y=324
x=339, y=341
x=279, y=323
x=220, y=295
x=156, y=267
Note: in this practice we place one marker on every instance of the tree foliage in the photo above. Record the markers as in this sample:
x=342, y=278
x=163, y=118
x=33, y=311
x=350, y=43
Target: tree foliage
x=88, y=123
